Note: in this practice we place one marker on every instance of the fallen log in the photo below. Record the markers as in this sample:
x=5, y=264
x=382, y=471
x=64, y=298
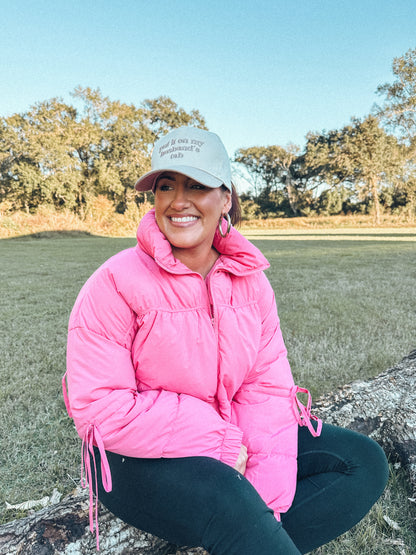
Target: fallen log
x=383, y=408
x=63, y=528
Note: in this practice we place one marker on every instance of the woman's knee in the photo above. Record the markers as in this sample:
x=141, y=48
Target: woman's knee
x=373, y=465
x=361, y=456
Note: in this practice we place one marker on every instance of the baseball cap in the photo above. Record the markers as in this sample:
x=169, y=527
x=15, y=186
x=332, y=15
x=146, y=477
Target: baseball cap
x=193, y=152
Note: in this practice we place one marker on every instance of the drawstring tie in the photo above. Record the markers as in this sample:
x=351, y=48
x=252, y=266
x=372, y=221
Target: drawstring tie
x=303, y=413
x=91, y=437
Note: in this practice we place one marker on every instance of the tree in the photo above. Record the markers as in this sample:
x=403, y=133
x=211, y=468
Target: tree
x=279, y=169
x=163, y=114
x=398, y=113
x=332, y=201
x=399, y=108
x=361, y=154
x=126, y=136
x=36, y=166
x=63, y=155
x=117, y=147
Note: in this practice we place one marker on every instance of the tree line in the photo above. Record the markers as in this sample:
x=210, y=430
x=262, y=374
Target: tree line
x=64, y=155
x=367, y=166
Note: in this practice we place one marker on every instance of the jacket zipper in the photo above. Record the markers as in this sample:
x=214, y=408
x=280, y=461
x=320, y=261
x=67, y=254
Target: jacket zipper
x=211, y=305
x=210, y=297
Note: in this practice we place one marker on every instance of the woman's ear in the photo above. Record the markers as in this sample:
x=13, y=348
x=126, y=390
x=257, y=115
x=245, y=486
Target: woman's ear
x=228, y=202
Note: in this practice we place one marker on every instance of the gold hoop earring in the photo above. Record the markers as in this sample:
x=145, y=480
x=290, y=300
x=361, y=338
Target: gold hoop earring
x=227, y=217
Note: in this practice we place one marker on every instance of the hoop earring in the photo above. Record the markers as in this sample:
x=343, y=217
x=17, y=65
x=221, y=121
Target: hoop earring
x=227, y=217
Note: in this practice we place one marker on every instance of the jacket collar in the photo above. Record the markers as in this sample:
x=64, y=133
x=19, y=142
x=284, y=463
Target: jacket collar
x=238, y=255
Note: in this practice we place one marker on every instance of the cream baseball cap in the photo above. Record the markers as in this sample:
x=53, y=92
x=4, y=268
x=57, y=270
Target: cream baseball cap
x=193, y=152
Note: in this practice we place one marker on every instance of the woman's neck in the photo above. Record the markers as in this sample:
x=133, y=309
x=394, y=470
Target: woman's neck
x=200, y=262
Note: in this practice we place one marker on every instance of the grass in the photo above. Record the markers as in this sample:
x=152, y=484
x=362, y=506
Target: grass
x=347, y=308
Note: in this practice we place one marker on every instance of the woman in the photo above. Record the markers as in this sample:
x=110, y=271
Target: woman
x=180, y=388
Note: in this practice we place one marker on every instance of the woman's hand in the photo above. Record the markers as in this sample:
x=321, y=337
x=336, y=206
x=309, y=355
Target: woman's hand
x=240, y=465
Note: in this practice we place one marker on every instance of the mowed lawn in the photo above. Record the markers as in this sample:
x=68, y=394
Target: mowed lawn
x=347, y=306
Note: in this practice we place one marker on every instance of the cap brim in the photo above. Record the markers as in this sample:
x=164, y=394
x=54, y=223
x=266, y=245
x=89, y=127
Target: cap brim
x=147, y=181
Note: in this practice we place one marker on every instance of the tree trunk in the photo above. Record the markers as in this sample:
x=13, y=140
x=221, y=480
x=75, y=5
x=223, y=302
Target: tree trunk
x=376, y=199
x=292, y=193
x=383, y=408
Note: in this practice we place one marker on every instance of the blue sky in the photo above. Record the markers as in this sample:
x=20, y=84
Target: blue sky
x=261, y=72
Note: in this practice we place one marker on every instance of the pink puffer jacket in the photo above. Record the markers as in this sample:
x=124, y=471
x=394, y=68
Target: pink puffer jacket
x=162, y=363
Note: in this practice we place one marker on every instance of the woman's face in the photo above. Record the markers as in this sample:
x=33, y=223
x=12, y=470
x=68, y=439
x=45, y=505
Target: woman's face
x=187, y=212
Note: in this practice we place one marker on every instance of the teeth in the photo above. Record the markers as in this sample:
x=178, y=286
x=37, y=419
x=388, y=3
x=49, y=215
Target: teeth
x=183, y=219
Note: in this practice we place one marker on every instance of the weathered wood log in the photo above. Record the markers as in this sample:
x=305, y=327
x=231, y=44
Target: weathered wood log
x=63, y=529
x=383, y=408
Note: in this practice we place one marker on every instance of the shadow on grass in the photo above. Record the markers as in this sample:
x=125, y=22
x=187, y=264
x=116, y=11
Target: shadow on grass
x=52, y=234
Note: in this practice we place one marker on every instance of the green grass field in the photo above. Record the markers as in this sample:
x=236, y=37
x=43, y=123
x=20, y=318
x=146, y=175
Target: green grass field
x=347, y=308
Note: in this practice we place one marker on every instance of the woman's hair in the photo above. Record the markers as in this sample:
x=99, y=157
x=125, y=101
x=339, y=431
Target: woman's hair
x=235, y=210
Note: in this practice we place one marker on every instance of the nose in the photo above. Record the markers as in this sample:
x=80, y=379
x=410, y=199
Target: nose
x=180, y=198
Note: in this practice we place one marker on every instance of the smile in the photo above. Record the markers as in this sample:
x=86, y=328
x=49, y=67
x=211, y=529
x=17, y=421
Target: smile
x=183, y=219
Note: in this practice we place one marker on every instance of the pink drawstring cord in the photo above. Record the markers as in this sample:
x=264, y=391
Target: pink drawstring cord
x=86, y=477
x=303, y=414
x=91, y=437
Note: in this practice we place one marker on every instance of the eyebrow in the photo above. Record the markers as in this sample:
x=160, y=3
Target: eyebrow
x=170, y=178
x=166, y=176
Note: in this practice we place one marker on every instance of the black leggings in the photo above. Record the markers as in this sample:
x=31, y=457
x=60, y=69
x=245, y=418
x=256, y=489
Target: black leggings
x=199, y=501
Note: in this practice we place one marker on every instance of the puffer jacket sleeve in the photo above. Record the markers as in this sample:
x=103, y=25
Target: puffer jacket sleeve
x=264, y=408
x=102, y=392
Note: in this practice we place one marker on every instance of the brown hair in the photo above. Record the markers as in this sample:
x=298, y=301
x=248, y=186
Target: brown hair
x=235, y=210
